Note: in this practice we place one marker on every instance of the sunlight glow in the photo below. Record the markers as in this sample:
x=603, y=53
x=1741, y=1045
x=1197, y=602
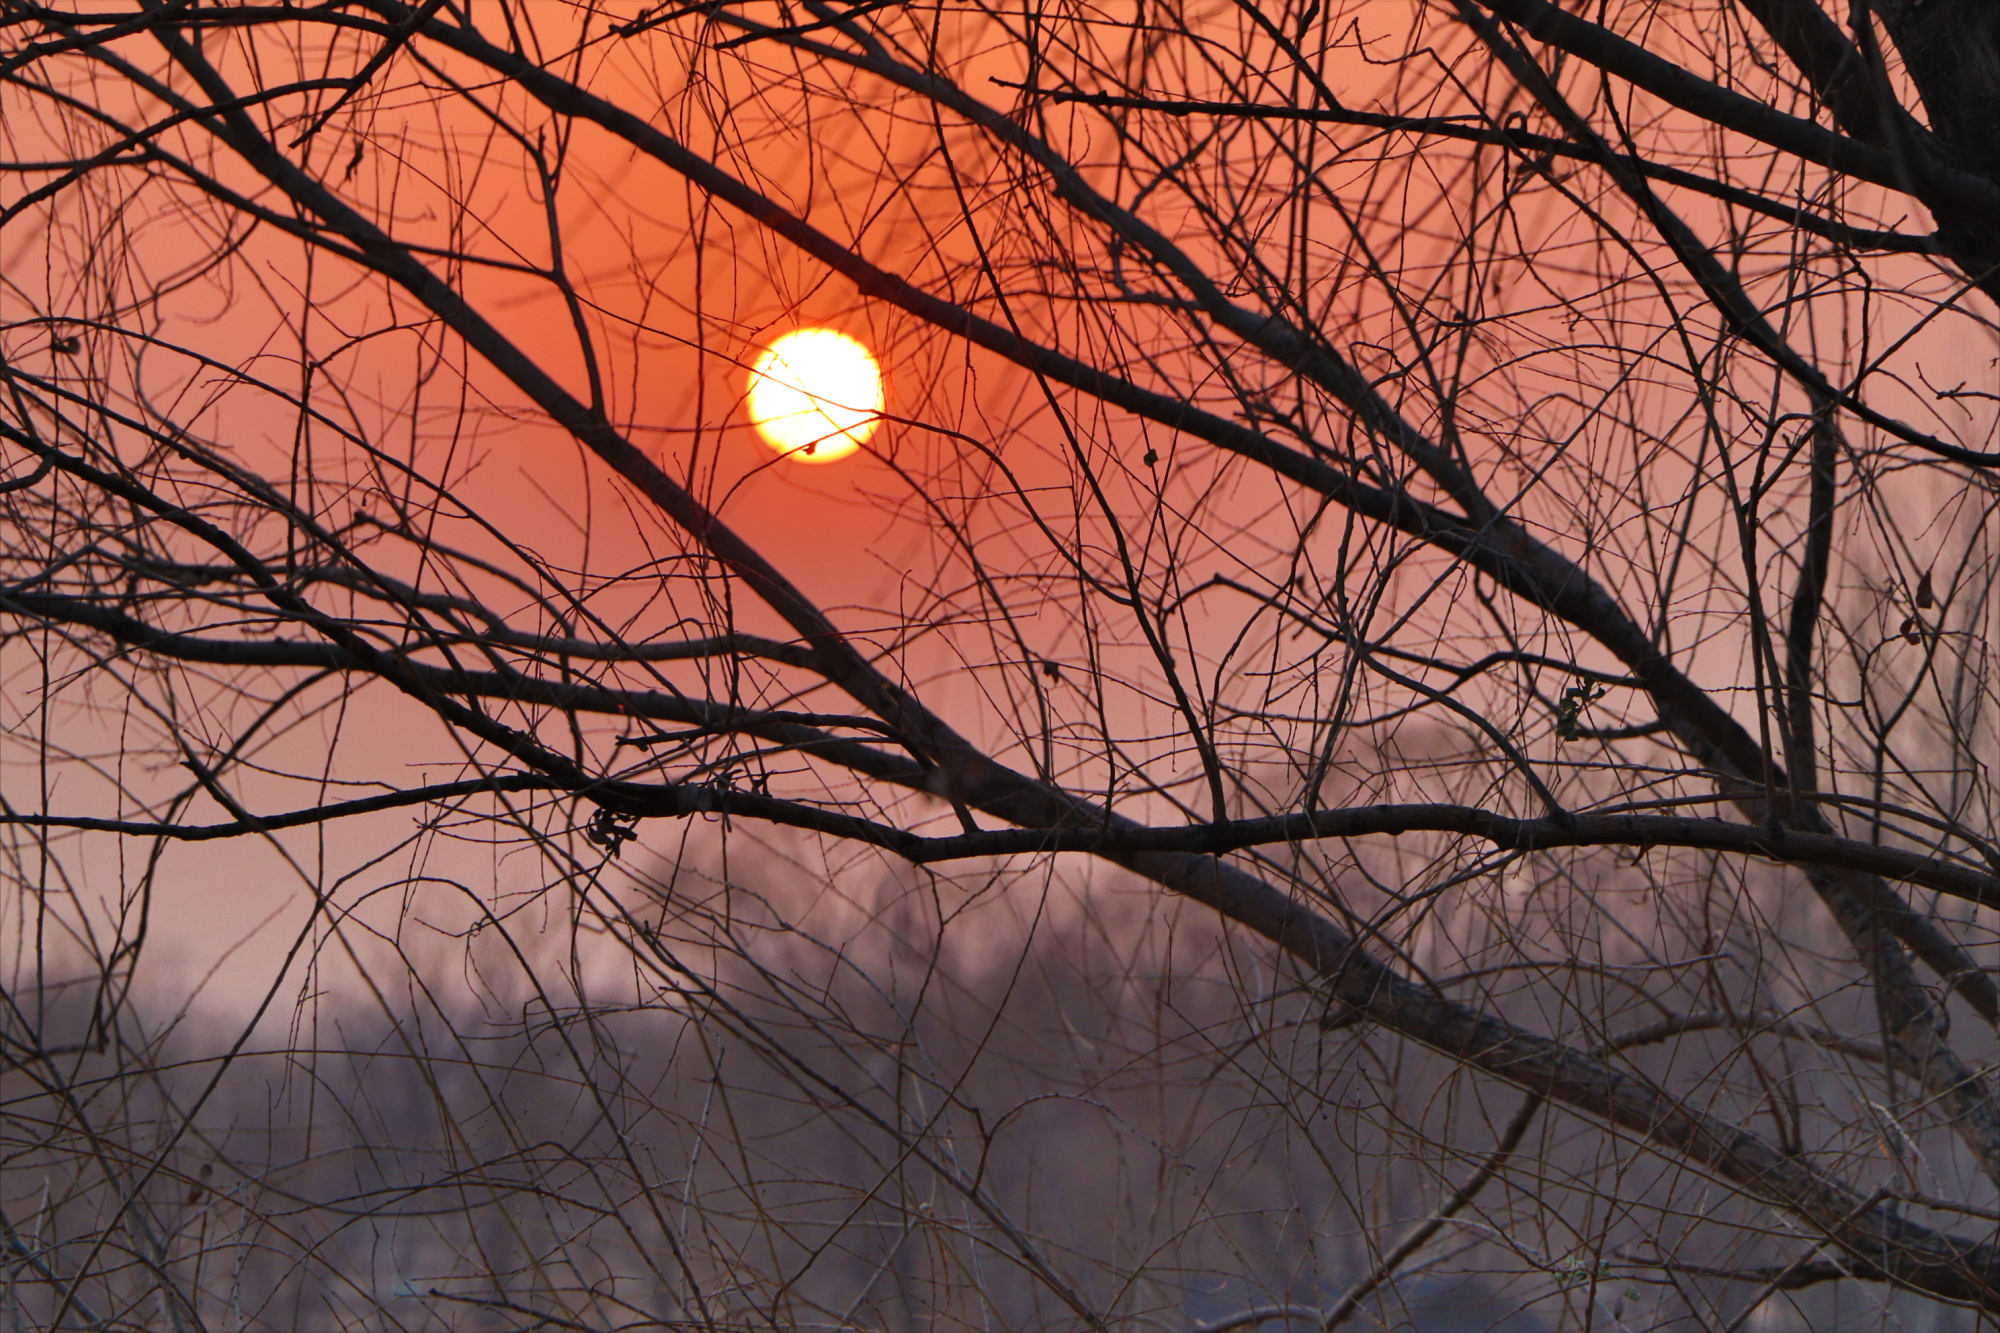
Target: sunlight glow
x=816, y=395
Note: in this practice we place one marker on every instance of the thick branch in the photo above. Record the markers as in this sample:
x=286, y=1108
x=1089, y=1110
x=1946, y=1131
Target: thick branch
x=1936, y=182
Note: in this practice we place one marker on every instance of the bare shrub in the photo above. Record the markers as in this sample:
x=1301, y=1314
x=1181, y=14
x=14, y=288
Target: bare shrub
x=1389, y=727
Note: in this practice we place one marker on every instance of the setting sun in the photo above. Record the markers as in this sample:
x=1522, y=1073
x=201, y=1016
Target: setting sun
x=816, y=395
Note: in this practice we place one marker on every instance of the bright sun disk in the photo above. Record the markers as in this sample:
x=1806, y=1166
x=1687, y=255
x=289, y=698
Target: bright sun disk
x=816, y=395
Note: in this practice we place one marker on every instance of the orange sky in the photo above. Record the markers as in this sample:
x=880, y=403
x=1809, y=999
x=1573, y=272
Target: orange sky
x=681, y=295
